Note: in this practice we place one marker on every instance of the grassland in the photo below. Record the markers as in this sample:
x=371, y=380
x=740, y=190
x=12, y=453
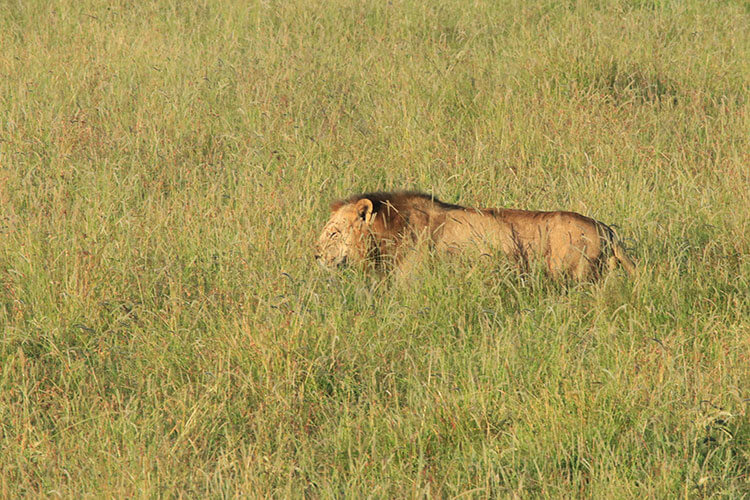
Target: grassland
x=164, y=167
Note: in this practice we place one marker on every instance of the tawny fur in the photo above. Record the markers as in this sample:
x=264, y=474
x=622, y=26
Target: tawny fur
x=385, y=228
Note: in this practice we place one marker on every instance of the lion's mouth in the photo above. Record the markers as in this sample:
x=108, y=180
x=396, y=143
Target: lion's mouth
x=329, y=264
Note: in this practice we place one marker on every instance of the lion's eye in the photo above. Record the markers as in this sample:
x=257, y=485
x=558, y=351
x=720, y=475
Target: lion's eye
x=335, y=235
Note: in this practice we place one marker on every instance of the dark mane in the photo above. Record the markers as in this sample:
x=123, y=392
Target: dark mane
x=398, y=200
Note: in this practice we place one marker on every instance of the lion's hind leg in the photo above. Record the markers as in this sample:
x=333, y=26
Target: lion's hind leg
x=582, y=271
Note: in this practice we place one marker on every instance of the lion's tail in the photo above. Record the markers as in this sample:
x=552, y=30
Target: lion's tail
x=623, y=258
x=618, y=252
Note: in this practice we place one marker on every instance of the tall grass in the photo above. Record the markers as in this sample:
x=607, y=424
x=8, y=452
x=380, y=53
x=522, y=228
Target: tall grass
x=164, y=167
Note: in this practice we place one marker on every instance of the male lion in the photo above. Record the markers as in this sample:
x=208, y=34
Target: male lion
x=382, y=228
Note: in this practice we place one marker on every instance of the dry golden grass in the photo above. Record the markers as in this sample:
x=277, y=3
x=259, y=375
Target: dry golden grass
x=165, y=167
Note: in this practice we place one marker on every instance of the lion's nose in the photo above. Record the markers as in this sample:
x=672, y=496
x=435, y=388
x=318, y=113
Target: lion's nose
x=317, y=256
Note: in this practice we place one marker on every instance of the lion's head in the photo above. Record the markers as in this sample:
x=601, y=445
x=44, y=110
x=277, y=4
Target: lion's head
x=346, y=237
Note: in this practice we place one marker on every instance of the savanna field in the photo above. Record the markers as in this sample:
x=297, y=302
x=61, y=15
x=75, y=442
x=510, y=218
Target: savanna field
x=165, y=168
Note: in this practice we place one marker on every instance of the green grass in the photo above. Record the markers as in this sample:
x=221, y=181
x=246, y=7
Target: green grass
x=165, y=166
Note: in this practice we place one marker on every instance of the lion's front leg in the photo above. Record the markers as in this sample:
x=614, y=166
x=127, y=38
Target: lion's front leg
x=411, y=257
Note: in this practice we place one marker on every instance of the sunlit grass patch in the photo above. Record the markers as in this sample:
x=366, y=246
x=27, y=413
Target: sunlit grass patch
x=165, y=169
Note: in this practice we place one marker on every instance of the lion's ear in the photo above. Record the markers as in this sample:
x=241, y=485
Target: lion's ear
x=364, y=209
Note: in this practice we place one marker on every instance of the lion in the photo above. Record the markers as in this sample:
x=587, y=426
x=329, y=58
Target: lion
x=383, y=229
